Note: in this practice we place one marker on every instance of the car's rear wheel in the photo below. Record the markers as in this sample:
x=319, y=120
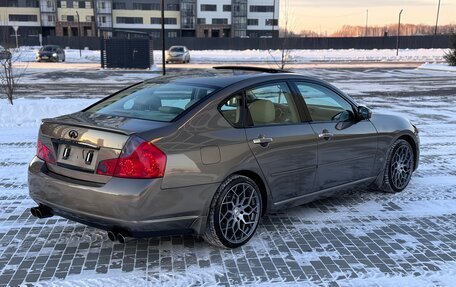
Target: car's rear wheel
x=235, y=213
x=399, y=167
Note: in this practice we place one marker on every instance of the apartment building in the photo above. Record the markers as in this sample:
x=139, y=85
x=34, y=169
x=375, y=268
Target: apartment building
x=183, y=18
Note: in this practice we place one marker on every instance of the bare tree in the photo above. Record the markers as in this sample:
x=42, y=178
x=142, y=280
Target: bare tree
x=11, y=73
x=284, y=38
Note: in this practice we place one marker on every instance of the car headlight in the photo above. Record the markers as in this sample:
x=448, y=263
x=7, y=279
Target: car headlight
x=54, y=55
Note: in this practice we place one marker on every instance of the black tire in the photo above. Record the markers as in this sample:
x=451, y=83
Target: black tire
x=218, y=233
x=399, y=167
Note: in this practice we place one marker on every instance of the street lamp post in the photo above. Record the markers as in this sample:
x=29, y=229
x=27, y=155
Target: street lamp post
x=398, y=33
x=273, y=16
x=16, y=27
x=437, y=20
x=79, y=35
x=163, y=35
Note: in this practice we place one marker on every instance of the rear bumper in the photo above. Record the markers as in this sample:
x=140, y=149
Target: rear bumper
x=136, y=207
x=49, y=59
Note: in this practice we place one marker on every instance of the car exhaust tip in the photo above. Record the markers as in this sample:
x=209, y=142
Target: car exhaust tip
x=112, y=236
x=123, y=239
x=41, y=211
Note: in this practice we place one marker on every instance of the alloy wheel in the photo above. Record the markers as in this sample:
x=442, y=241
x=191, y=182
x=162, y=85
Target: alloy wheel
x=239, y=213
x=401, y=167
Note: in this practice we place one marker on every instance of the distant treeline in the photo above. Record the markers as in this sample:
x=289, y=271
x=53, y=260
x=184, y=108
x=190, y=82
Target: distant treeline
x=379, y=31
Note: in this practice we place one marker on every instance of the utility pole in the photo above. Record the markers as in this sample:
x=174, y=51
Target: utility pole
x=367, y=20
x=163, y=35
x=398, y=33
x=79, y=35
x=437, y=20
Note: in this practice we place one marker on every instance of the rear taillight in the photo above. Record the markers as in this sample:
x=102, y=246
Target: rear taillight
x=138, y=159
x=44, y=153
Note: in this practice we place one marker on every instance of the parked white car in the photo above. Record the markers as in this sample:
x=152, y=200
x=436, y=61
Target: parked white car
x=178, y=54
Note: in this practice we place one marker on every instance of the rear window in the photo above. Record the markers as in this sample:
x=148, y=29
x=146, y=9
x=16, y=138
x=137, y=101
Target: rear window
x=177, y=49
x=49, y=48
x=153, y=101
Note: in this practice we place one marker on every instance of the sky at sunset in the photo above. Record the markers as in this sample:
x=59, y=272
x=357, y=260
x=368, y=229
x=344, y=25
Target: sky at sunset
x=329, y=15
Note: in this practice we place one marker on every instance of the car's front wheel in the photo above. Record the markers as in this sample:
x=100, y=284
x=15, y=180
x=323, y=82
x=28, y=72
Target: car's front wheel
x=235, y=213
x=399, y=167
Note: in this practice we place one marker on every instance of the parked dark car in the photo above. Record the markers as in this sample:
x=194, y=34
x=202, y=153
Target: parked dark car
x=211, y=155
x=51, y=53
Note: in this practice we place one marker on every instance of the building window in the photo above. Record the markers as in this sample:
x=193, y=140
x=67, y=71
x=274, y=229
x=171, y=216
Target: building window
x=207, y=7
x=262, y=8
x=146, y=6
x=89, y=18
x=12, y=3
x=62, y=4
x=168, y=21
x=226, y=8
x=252, y=22
x=23, y=18
x=155, y=34
x=51, y=18
x=68, y=18
x=102, y=19
x=270, y=22
x=31, y=3
x=102, y=5
x=129, y=20
x=49, y=4
x=80, y=4
x=119, y=5
x=172, y=7
x=172, y=34
x=220, y=21
x=201, y=21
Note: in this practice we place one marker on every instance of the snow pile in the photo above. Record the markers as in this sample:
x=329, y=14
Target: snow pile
x=27, y=54
x=437, y=67
x=304, y=56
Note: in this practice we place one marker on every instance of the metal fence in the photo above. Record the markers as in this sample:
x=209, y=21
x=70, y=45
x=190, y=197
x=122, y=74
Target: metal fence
x=406, y=42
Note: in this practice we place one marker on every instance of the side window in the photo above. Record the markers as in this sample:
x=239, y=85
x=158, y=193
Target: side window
x=323, y=104
x=271, y=104
x=232, y=109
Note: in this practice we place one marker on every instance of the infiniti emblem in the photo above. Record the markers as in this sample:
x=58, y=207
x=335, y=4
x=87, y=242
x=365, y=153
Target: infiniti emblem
x=73, y=134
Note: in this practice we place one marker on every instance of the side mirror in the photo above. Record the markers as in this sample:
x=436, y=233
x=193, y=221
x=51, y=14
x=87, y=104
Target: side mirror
x=364, y=113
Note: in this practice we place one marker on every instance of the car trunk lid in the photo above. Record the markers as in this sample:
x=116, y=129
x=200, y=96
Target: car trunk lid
x=80, y=141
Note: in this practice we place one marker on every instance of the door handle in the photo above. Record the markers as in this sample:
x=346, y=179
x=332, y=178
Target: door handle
x=263, y=141
x=326, y=135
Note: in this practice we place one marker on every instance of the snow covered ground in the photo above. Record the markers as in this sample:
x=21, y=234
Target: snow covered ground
x=359, y=238
x=438, y=67
x=27, y=54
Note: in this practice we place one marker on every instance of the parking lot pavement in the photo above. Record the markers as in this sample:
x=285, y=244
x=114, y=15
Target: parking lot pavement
x=357, y=238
